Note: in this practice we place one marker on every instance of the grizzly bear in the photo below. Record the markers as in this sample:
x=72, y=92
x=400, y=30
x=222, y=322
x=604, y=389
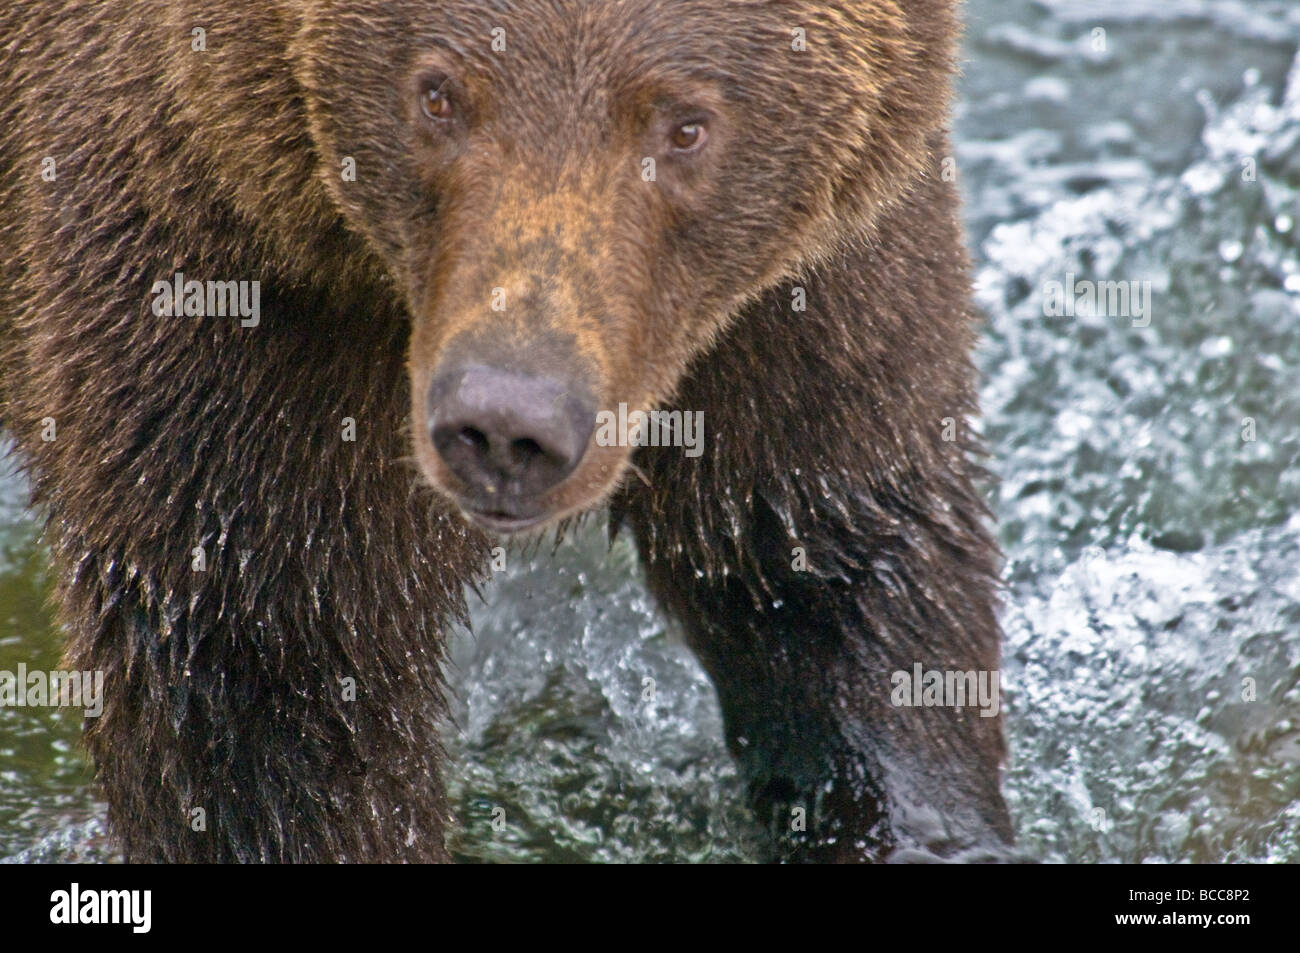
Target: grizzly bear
x=306, y=306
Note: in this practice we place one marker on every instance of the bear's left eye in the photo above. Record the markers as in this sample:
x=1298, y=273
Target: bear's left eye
x=689, y=136
x=435, y=101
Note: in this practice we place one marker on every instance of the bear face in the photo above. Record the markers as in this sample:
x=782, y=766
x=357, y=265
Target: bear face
x=573, y=198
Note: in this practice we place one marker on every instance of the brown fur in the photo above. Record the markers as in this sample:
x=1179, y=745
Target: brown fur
x=325, y=559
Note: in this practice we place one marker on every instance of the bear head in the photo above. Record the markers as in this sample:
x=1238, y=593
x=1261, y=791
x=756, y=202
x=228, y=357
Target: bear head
x=575, y=197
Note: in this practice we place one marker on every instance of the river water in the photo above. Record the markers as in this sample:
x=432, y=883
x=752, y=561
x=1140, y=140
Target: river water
x=1149, y=503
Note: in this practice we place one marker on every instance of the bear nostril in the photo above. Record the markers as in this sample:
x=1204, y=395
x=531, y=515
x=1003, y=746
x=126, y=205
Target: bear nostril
x=474, y=439
x=524, y=450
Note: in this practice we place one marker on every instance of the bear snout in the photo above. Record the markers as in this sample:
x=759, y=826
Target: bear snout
x=507, y=436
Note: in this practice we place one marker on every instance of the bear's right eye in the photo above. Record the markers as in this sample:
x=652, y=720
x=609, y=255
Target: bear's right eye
x=689, y=136
x=435, y=100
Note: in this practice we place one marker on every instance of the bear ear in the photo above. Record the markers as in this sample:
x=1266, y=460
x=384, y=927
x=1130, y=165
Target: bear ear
x=349, y=100
x=883, y=72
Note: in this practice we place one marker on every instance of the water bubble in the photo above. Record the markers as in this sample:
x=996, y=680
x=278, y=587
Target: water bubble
x=1203, y=179
x=1217, y=347
x=1050, y=89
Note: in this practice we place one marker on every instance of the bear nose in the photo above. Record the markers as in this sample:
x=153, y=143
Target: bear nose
x=508, y=432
